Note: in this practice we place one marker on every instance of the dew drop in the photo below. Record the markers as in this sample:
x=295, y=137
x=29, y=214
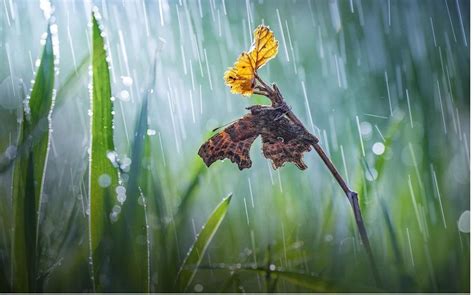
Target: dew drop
x=121, y=198
x=105, y=180
x=113, y=157
x=116, y=209
x=113, y=217
x=120, y=190
x=10, y=152
x=371, y=174
x=198, y=288
x=463, y=222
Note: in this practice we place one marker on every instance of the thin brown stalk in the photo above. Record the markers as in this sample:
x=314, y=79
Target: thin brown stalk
x=277, y=99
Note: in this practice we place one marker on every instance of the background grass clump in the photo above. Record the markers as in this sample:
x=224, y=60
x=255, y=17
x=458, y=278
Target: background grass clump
x=384, y=85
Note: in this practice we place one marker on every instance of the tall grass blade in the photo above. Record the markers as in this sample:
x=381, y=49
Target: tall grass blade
x=133, y=223
x=196, y=253
x=28, y=175
x=103, y=176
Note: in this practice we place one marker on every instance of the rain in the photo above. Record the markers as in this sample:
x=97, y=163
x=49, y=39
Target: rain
x=384, y=85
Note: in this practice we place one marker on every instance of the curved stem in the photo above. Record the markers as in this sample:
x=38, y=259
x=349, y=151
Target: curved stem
x=277, y=99
x=354, y=201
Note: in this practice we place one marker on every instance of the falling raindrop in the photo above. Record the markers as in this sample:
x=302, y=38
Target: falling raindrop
x=366, y=130
x=378, y=148
x=126, y=81
x=124, y=95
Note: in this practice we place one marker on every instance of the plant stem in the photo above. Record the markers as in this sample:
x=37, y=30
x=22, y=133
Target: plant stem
x=354, y=201
x=277, y=99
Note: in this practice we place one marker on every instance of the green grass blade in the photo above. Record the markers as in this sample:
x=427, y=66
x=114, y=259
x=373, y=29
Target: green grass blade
x=196, y=253
x=29, y=172
x=133, y=224
x=103, y=176
x=304, y=280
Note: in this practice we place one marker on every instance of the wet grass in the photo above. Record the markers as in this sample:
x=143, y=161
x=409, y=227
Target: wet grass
x=125, y=204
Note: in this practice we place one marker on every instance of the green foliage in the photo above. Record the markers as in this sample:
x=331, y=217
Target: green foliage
x=103, y=175
x=197, y=251
x=28, y=175
x=342, y=59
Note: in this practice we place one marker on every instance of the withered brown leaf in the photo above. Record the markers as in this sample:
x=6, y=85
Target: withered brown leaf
x=283, y=140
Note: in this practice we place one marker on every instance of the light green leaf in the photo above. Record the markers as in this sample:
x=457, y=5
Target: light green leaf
x=28, y=175
x=133, y=224
x=103, y=176
x=196, y=253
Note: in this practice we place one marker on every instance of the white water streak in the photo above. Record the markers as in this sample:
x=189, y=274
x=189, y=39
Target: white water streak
x=435, y=183
x=283, y=36
x=360, y=137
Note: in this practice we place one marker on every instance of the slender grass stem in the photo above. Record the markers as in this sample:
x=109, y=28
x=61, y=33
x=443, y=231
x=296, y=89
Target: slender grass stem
x=277, y=99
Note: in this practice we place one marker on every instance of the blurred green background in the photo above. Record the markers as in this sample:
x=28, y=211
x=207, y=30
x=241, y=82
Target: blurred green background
x=383, y=84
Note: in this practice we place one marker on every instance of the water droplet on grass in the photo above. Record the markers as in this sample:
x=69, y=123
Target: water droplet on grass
x=120, y=190
x=116, y=209
x=371, y=174
x=105, y=180
x=121, y=198
x=463, y=222
x=10, y=152
x=198, y=288
x=113, y=217
x=113, y=157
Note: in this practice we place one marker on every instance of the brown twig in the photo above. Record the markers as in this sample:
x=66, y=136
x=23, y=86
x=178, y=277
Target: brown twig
x=277, y=99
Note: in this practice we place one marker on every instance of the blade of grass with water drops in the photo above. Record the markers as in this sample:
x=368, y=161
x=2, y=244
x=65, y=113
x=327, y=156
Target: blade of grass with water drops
x=132, y=225
x=103, y=175
x=28, y=174
x=196, y=253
